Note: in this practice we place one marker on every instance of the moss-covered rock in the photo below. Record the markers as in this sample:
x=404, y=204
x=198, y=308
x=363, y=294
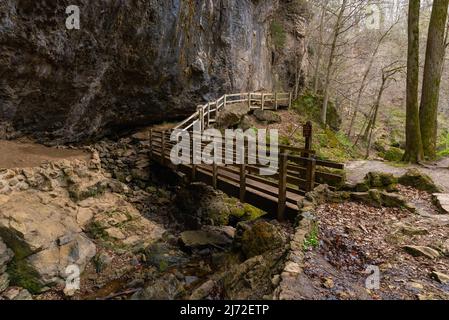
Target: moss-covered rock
x=259, y=237
x=416, y=179
x=267, y=116
x=311, y=104
x=394, y=154
x=377, y=180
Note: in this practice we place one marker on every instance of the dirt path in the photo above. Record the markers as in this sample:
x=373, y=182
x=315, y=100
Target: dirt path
x=439, y=172
x=14, y=154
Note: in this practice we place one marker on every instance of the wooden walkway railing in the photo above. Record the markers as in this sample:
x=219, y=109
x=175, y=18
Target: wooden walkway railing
x=208, y=114
x=298, y=173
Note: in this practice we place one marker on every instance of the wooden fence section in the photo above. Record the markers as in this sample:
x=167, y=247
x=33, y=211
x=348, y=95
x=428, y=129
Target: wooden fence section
x=208, y=114
x=297, y=172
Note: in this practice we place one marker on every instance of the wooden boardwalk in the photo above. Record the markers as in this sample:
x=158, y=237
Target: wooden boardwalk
x=278, y=194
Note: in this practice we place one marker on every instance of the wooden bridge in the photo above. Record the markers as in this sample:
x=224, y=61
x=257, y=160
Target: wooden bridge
x=298, y=171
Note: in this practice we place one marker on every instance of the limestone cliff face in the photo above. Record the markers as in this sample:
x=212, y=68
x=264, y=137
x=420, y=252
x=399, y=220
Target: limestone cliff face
x=137, y=62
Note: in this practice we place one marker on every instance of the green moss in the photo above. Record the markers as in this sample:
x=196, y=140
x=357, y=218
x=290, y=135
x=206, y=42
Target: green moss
x=20, y=271
x=394, y=154
x=278, y=34
x=97, y=231
x=23, y=275
x=262, y=237
x=78, y=194
x=311, y=104
x=415, y=178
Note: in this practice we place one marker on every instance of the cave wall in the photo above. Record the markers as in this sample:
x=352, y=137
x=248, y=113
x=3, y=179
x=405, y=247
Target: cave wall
x=135, y=62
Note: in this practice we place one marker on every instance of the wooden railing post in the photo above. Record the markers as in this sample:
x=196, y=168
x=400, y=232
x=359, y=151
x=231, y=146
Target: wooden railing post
x=310, y=174
x=282, y=197
x=242, y=182
x=214, y=175
x=290, y=100
x=192, y=152
x=225, y=98
x=208, y=114
x=151, y=143
x=163, y=148
x=307, y=133
x=263, y=101
x=249, y=101
x=276, y=101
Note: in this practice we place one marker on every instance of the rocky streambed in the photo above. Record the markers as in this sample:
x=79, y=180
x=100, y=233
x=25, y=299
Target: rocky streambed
x=131, y=230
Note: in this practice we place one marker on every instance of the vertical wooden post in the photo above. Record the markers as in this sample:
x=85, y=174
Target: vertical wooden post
x=263, y=101
x=208, y=114
x=214, y=175
x=307, y=133
x=163, y=148
x=282, y=197
x=249, y=101
x=200, y=117
x=290, y=100
x=225, y=98
x=276, y=101
x=192, y=152
x=151, y=143
x=242, y=182
x=310, y=174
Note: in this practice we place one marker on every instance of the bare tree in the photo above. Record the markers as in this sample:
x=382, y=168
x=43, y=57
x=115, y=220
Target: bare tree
x=414, y=148
x=433, y=69
x=388, y=75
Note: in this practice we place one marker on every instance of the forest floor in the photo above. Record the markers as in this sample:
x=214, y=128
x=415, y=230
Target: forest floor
x=354, y=236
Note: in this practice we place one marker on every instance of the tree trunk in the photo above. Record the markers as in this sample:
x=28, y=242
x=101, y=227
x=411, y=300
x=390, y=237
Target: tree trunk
x=414, y=147
x=330, y=63
x=316, y=77
x=432, y=77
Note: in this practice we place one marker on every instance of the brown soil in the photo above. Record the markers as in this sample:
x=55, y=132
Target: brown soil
x=14, y=154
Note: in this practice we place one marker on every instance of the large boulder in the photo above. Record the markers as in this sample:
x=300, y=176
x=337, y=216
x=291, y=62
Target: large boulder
x=267, y=116
x=44, y=237
x=416, y=179
x=259, y=237
x=231, y=116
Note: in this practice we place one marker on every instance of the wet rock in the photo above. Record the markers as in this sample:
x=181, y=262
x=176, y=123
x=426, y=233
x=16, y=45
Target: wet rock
x=203, y=291
x=267, y=116
x=102, y=261
x=418, y=251
x=163, y=256
x=167, y=287
x=215, y=237
x=15, y=293
x=440, y=277
x=259, y=237
x=442, y=201
x=6, y=256
x=4, y=282
x=416, y=179
x=252, y=279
